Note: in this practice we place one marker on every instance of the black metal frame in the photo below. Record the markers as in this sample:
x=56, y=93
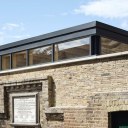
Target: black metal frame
x=53, y=51
x=10, y=55
x=11, y=61
x=95, y=45
x=27, y=57
x=93, y=29
x=0, y=62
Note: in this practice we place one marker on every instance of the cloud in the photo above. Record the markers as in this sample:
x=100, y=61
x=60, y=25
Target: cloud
x=74, y=43
x=105, y=8
x=56, y=15
x=1, y=37
x=10, y=32
x=12, y=26
x=64, y=14
x=18, y=36
x=49, y=15
x=5, y=38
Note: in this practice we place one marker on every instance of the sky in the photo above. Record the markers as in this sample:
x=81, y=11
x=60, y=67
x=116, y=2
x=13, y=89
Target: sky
x=21, y=19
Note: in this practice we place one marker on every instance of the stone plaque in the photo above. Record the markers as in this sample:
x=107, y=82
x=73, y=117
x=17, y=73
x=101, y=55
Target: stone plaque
x=24, y=110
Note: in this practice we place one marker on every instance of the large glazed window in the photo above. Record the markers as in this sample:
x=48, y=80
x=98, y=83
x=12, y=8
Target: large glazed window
x=19, y=59
x=72, y=49
x=5, y=62
x=40, y=55
x=110, y=46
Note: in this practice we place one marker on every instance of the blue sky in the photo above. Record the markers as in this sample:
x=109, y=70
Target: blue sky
x=20, y=19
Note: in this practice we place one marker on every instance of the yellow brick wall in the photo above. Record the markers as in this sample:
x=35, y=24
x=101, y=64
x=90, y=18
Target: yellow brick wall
x=75, y=82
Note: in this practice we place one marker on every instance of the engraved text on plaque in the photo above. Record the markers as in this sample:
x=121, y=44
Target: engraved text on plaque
x=24, y=110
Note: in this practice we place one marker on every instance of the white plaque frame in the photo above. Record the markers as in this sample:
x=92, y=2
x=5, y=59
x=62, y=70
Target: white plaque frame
x=28, y=96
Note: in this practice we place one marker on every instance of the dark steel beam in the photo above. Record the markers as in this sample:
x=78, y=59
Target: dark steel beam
x=11, y=64
x=53, y=52
x=0, y=63
x=95, y=45
x=27, y=57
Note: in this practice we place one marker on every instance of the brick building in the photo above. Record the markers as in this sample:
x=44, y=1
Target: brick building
x=72, y=78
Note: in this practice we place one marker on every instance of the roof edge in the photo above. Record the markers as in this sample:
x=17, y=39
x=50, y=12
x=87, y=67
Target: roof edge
x=66, y=31
x=50, y=35
x=111, y=28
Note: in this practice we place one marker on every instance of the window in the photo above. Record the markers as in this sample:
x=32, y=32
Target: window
x=72, y=49
x=19, y=59
x=110, y=46
x=5, y=62
x=40, y=55
x=118, y=119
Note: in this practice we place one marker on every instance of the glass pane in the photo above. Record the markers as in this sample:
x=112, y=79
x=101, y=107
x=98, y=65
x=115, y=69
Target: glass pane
x=40, y=55
x=5, y=62
x=19, y=59
x=110, y=46
x=72, y=49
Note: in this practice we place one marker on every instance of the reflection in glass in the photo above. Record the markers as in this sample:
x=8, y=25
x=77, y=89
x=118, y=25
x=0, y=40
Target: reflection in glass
x=72, y=49
x=19, y=59
x=110, y=46
x=40, y=55
x=5, y=62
